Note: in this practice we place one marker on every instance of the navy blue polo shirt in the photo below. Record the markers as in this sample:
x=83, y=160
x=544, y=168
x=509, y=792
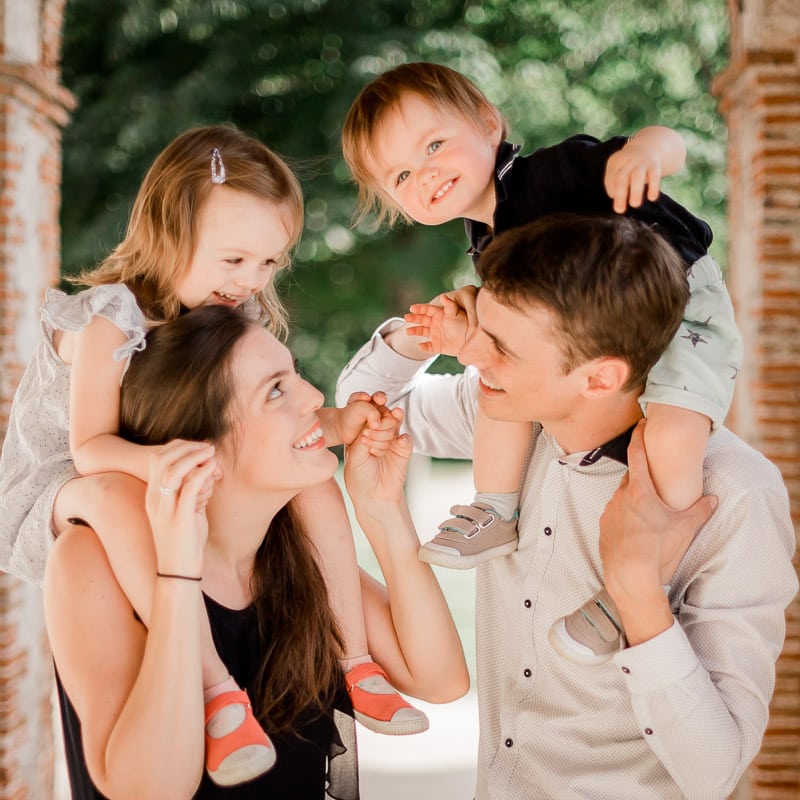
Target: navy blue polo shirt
x=568, y=178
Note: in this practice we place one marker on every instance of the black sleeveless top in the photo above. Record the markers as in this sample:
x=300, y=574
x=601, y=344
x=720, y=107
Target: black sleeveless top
x=300, y=771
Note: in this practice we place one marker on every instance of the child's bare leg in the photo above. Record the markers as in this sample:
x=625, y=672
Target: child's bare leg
x=675, y=440
x=327, y=525
x=112, y=504
x=499, y=450
x=487, y=527
x=377, y=704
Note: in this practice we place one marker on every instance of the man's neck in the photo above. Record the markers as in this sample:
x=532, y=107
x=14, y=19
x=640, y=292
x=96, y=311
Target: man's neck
x=598, y=423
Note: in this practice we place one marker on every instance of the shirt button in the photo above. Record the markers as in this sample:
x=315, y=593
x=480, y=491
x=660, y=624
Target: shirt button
x=527, y=673
x=648, y=731
x=626, y=670
x=548, y=531
x=509, y=742
x=527, y=604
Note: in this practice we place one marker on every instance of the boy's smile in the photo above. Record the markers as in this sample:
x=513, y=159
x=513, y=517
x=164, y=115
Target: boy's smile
x=435, y=164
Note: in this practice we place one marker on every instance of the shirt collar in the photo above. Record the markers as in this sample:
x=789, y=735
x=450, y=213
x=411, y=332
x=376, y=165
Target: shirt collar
x=616, y=448
x=479, y=233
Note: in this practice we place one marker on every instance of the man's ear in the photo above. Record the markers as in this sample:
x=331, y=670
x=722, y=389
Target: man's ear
x=605, y=376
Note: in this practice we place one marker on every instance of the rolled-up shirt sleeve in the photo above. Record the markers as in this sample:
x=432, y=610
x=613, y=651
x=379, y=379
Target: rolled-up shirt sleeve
x=700, y=691
x=439, y=409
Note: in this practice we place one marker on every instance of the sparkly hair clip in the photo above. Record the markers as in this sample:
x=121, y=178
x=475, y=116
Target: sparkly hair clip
x=217, y=167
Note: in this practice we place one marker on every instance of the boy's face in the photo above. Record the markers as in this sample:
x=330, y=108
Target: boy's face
x=435, y=164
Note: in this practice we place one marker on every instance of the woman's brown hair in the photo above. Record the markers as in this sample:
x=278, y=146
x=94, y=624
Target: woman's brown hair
x=181, y=387
x=162, y=229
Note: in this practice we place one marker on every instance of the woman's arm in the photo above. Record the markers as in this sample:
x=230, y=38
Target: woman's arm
x=137, y=693
x=94, y=405
x=409, y=627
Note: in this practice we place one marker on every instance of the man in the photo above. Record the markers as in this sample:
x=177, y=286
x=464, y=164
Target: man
x=572, y=313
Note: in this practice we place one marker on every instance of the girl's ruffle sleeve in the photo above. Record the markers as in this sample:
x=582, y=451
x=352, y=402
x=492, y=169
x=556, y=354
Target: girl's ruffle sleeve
x=113, y=301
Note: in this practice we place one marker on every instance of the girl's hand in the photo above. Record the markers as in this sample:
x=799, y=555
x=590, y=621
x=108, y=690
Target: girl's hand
x=445, y=326
x=182, y=476
x=377, y=475
x=363, y=415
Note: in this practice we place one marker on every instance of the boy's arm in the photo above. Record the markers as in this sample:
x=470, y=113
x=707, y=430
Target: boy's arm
x=649, y=155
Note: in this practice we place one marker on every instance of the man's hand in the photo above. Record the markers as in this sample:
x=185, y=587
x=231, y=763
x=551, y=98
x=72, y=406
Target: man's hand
x=642, y=541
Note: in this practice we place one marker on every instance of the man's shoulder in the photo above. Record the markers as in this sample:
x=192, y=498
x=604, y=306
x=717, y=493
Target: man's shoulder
x=734, y=465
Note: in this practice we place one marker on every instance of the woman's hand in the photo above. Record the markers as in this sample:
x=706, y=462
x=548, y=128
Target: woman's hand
x=182, y=476
x=375, y=473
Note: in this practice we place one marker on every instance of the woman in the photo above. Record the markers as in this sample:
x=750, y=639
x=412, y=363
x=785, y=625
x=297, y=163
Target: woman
x=235, y=430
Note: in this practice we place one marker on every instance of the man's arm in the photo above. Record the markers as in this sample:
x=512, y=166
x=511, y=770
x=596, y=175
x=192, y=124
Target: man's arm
x=700, y=682
x=439, y=409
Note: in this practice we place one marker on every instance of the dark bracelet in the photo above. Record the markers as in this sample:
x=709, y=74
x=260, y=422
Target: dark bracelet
x=181, y=577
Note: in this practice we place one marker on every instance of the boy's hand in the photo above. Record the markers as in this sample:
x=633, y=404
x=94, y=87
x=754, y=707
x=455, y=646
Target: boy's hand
x=628, y=172
x=445, y=326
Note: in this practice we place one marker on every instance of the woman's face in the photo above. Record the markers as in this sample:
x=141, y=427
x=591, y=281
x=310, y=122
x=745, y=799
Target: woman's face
x=276, y=443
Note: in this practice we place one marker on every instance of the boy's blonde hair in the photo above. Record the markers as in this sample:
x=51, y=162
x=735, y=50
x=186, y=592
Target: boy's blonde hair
x=439, y=85
x=162, y=230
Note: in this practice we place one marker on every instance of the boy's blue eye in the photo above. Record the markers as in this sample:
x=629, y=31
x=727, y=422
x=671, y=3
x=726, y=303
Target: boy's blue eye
x=274, y=393
x=401, y=177
x=434, y=146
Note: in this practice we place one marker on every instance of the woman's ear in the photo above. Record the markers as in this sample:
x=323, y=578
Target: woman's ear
x=605, y=376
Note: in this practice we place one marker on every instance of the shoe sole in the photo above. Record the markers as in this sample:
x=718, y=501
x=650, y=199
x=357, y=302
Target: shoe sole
x=453, y=561
x=244, y=765
x=573, y=651
x=405, y=727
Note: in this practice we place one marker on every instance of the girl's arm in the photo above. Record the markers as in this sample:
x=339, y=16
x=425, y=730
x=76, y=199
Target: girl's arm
x=138, y=693
x=94, y=405
x=409, y=627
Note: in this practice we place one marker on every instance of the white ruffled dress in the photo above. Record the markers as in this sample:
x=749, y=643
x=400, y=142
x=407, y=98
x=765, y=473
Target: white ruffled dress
x=36, y=460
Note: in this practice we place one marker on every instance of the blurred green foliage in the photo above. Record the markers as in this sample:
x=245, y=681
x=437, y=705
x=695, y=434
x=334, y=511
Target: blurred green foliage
x=144, y=70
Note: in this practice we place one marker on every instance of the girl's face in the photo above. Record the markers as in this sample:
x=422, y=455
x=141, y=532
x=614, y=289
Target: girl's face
x=277, y=444
x=434, y=164
x=240, y=240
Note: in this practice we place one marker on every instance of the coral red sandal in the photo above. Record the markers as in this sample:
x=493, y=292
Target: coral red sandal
x=241, y=751
x=380, y=711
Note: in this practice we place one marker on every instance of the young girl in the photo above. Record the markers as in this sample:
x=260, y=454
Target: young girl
x=424, y=143
x=214, y=220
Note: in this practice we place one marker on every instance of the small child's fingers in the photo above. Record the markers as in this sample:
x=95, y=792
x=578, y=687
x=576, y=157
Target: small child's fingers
x=419, y=330
x=358, y=397
x=378, y=398
x=653, y=184
x=418, y=319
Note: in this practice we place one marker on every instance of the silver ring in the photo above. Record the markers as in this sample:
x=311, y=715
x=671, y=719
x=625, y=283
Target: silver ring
x=167, y=490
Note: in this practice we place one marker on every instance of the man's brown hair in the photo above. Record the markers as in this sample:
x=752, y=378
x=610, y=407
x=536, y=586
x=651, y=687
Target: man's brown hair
x=615, y=286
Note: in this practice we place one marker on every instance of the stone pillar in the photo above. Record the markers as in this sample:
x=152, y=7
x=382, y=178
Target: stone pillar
x=33, y=109
x=760, y=97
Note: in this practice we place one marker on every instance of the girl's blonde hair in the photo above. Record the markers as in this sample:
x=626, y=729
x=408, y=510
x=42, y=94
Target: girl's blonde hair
x=162, y=230
x=440, y=86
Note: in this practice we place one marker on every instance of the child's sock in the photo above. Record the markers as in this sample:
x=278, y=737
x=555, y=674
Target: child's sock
x=504, y=503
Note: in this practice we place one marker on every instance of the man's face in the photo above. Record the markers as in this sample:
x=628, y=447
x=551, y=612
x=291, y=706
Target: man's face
x=521, y=365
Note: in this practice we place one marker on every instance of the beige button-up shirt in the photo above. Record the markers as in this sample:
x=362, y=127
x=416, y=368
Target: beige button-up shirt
x=681, y=715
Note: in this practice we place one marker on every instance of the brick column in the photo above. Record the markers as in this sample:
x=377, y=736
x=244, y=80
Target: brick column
x=33, y=109
x=760, y=97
